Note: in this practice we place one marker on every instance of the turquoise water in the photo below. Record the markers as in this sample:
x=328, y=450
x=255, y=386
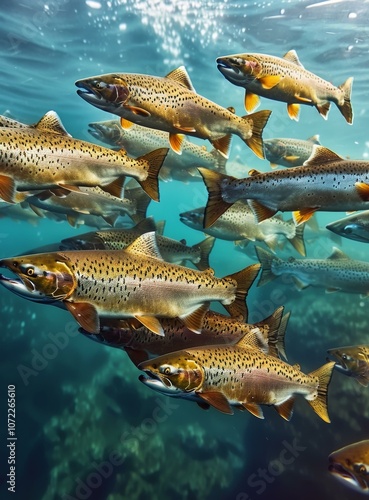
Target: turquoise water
x=80, y=405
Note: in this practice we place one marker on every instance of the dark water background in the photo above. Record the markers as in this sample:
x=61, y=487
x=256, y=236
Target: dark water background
x=79, y=404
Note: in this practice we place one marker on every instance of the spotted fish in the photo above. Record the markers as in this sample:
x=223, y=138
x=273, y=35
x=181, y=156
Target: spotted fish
x=350, y=465
x=141, y=344
x=237, y=376
x=138, y=140
x=46, y=157
x=132, y=283
x=284, y=79
x=238, y=224
x=353, y=361
x=336, y=273
x=326, y=182
x=171, y=250
x=354, y=226
x=289, y=152
x=171, y=104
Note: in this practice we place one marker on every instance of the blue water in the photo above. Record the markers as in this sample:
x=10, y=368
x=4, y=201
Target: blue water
x=79, y=405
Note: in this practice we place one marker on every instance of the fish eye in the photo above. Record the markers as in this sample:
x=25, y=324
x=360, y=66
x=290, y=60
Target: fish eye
x=101, y=85
x=360, y=468
x=167, y=370
x=344, y=357
x=30, y=271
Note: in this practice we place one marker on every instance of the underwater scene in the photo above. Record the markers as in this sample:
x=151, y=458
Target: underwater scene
x=184, y=187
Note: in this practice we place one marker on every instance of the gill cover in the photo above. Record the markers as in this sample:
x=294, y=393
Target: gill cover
x=48, y=274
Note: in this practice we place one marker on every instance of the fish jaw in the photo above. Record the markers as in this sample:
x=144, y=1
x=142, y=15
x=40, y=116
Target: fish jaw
x=178, y=372
x=46, y=277
x=237, y=70
x=107, y=92
x=354, y=475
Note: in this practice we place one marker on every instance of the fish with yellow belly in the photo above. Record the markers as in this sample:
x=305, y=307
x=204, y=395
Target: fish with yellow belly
x=284, y=79
x=237, y=376
x=45, y=156
x=134, y=283
x=171, y=104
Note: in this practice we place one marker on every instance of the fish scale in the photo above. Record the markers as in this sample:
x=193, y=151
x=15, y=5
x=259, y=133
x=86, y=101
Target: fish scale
x=39, y=158
x=131, y=283
x=238, y=375
x=171, y=104
x=326, y=182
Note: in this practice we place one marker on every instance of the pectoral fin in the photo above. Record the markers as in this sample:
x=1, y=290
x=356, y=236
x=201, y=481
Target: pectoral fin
x=363, y=190
x=85, y=314
x=137, y=111
x=270, y=81
x=126, y=124
x=217, y=400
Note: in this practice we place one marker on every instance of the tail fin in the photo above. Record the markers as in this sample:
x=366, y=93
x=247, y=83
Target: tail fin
x=298, y=240
x=257, y=122
x=220, y=159
x=319, y=404
x=206, y=247
x=346, y=108
x=215, y=206
x=277, y=328
x=266, y=259
x=142, y=202
x=155, y=160
x=244, y=279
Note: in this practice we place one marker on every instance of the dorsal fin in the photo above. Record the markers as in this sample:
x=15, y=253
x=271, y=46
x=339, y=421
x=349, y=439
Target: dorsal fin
x=146, y=246
x=338, y=254
x=51, y=122
x=292, y=57
x=315, y=139
x=181, y=76
x=320, y=155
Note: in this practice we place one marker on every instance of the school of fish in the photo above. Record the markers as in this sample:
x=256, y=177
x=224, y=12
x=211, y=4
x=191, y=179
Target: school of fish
x=130, y=287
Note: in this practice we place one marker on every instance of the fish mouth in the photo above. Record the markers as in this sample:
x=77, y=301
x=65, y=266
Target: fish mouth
x=340, y=364
x=229, y=70
x=20, y=288
x=162, y=385
x=87, y=93
x=348, y=477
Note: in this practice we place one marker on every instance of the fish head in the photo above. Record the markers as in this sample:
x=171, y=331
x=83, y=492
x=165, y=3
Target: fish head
x=239, y=69
x=108, y=92
x=108, y=131
x=351, y=465
x=193, y=218
x=86, y=241
x=274, y=149
x=345, y=357
x=41, y=277
x=177, y=372
x=351, y=229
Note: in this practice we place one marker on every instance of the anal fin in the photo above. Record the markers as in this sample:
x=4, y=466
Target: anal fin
x=285, y=409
